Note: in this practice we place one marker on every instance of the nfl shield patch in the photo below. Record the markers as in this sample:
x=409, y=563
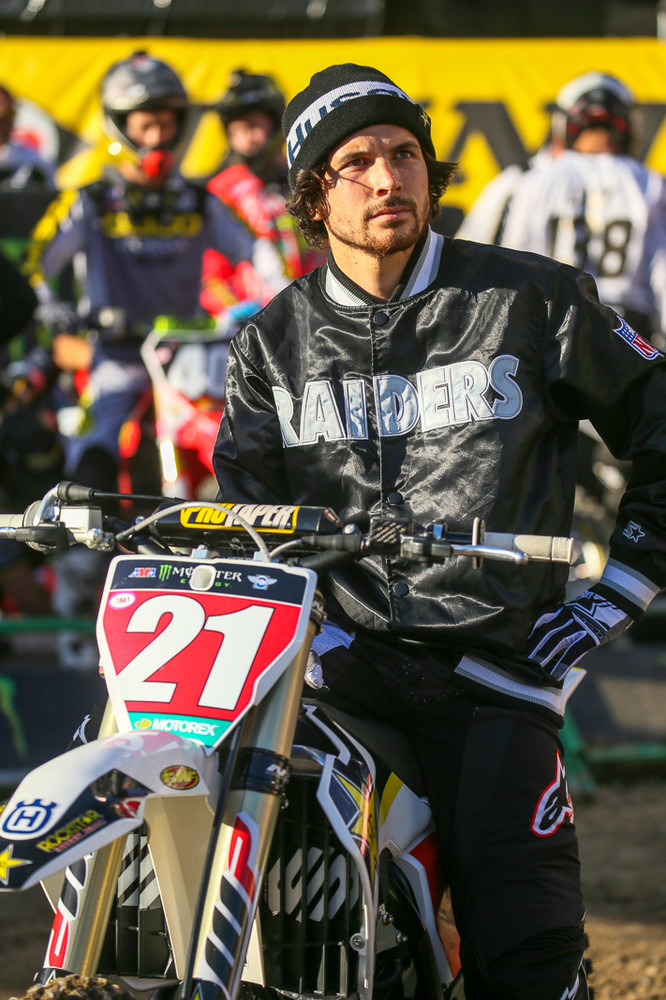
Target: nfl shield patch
x=639, y=344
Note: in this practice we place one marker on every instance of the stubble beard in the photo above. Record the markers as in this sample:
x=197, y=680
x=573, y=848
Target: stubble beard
x=389, y=237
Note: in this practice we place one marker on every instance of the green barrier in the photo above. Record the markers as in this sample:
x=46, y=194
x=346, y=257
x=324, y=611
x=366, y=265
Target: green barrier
x=579, y=774
x=47, y=623
x=588, y=765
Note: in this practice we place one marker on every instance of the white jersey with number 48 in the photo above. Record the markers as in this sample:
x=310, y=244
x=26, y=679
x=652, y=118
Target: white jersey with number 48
x=603, y=213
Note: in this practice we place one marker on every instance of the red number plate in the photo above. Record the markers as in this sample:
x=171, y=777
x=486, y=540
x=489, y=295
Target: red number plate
x=189, y=660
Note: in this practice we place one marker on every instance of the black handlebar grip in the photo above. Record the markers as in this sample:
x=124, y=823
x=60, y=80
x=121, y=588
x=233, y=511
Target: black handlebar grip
x=73, y=493
x=44, y=537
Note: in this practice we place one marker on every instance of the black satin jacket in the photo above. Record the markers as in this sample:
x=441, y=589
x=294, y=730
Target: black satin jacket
x=460, y=401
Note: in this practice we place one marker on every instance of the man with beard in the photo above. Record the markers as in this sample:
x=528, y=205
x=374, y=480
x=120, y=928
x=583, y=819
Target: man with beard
x=417, y=377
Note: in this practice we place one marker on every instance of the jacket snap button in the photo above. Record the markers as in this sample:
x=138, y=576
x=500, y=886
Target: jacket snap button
x=395, y=498
x=400, y=589
x=380, y=319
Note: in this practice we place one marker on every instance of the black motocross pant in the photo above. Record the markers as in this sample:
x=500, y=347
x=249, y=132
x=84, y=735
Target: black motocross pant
x=496, y=783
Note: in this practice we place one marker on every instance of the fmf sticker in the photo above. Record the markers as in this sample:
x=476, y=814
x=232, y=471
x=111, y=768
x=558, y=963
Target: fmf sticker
x=639, y=344
x=179, y=776
x=265, y=517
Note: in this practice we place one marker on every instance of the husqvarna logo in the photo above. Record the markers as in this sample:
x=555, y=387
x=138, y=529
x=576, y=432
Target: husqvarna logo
x=28, y=817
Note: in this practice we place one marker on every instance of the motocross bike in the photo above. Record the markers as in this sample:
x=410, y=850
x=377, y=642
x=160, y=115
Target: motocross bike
x=224, y=835
x=166, y=445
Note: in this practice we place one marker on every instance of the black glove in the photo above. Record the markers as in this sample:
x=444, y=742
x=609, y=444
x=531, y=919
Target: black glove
x=560, y=638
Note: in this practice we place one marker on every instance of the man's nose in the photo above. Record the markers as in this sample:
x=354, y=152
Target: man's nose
x=385, y=177
x=157, y=135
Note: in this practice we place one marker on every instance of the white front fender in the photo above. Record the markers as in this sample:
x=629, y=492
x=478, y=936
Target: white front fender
x=64, y=809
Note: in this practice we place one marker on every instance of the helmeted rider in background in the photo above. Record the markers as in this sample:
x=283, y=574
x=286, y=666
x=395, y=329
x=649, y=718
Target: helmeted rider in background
x=596, y=206
x=252, y=182
x=137, y=238
x=485, y=219
x=251, y=111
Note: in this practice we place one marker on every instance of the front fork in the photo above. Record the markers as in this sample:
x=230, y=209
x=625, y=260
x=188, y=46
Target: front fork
x=84, y=907
x=238, y=854
x=241, y=842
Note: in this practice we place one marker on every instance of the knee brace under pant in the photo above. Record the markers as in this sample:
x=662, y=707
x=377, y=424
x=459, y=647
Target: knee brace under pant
x=548, y=966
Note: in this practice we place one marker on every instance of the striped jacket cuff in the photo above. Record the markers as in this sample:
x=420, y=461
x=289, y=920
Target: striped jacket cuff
x=629, y=589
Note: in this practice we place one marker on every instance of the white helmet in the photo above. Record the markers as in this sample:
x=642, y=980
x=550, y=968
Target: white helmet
x=142, y=83
x=596, y=100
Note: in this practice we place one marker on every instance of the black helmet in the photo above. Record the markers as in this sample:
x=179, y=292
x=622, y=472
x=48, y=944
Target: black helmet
x=251, y=92
x=596, y=100
x=140, y=83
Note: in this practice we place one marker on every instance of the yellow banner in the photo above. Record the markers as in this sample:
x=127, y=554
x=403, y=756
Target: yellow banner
x=488, y=99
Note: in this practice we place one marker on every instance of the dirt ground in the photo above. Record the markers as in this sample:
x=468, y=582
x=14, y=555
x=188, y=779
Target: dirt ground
x=622, y=842
x=623, y=850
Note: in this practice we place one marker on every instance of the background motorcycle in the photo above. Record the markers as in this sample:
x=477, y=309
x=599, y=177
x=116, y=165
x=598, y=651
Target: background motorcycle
x=332, y=892
x=186, y=362
x=166, y=445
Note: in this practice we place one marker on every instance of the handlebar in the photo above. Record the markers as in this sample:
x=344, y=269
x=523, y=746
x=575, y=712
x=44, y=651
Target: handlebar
x=539, y=548
x=70, y=514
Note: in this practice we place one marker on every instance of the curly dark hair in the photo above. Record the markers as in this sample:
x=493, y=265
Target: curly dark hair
x=308, y=196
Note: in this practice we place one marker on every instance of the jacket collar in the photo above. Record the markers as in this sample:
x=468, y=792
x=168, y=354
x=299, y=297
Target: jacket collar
x=419, y=273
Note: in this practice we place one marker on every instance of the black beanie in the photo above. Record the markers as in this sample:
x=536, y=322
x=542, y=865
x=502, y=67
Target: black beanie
x=339, y=101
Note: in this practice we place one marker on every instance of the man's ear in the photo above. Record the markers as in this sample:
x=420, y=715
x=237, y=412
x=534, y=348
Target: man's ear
x=320, y=213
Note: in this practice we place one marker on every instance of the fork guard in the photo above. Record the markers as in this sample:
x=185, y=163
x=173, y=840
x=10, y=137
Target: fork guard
x=93, y=795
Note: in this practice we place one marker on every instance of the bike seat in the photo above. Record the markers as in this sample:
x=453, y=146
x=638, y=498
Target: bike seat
x=385, y=743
